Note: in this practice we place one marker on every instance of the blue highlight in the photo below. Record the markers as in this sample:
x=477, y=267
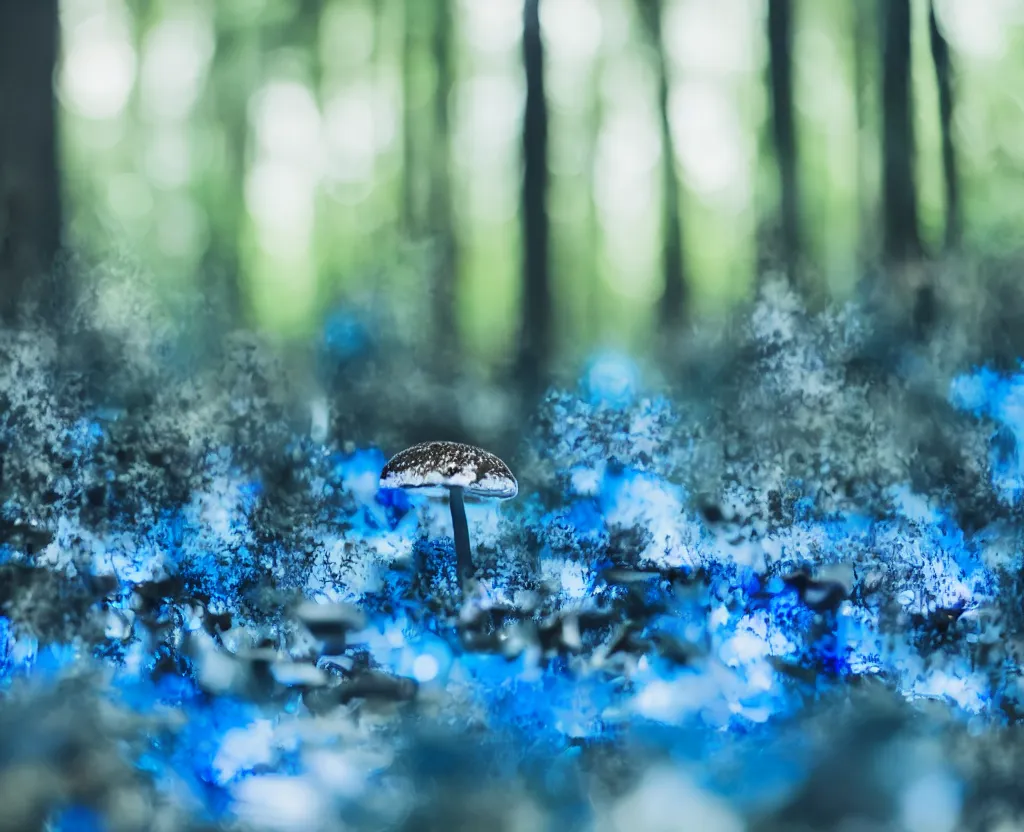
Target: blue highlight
x=998, y=399
x=612, y=379
x=736, y=644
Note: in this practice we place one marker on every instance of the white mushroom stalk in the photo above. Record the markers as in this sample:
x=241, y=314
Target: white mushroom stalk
x=459, y=469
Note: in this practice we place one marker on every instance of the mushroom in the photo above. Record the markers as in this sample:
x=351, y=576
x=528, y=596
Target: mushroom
x=463, y=470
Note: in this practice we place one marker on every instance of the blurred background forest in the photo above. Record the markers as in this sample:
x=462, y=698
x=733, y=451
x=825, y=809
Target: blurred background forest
x=520, y=181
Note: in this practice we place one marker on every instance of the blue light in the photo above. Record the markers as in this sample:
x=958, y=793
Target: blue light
x=79, y=818
x=344, y=336
x=612, y=378
x=987, y=394
x=734, y=649
x=6, y=665
x=979, y=393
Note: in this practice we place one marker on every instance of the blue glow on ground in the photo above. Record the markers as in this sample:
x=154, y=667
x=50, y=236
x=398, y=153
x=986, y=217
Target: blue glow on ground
x=1000, y=399
x=739, y=649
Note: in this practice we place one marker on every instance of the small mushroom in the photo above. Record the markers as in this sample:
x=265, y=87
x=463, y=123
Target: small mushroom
x=462, y=470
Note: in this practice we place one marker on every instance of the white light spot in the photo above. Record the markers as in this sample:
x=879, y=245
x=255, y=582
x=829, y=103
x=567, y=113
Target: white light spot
x=425, y=668
x=175, y=59
x=713, y=38
x=613, y=377
x=627, y=152
x=491, y=27
x=280, y=199
x=244, y=748
x=931, y=804
x=624, y=190
x=571, y=28
x=979, y=28
x=99, y=66
x=319, y=417
x=489, y=112
x=349, y=128
x=655, y=805
x=574, y=580
x=709, y=140
x=287, y=123
x=280, y=802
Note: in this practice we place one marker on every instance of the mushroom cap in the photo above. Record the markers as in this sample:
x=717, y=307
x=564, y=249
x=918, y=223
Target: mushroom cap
x=442, y=465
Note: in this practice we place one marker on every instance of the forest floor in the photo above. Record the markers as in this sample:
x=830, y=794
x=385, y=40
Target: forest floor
x=778, y=588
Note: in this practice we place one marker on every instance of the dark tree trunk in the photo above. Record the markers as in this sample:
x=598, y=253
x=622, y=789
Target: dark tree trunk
x=899, y=189
x=944, y=79
x=862, y=33
x=674, y=293
x=412, y=213
x=780, y=86
x=535, y=327
x=30, y=209
x=442, y=221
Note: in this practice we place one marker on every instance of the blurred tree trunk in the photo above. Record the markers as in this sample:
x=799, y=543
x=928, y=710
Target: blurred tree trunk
x=535, y=325
x=899, y=189
x=862, y=32
x=441, y=215
x=30, y=207
x=592, y=134
x=234, y=73
x=412, y=206
x=674, y=291
x=780, y=86
x=944, y=79
x=305, y=34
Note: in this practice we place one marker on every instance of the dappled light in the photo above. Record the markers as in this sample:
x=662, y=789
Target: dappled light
x=100, y=62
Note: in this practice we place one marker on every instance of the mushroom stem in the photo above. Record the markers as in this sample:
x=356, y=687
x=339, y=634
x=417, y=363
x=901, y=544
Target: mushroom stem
x=463, y=555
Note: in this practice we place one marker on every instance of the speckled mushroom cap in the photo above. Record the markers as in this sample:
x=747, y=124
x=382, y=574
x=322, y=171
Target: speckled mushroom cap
x=438, y=465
